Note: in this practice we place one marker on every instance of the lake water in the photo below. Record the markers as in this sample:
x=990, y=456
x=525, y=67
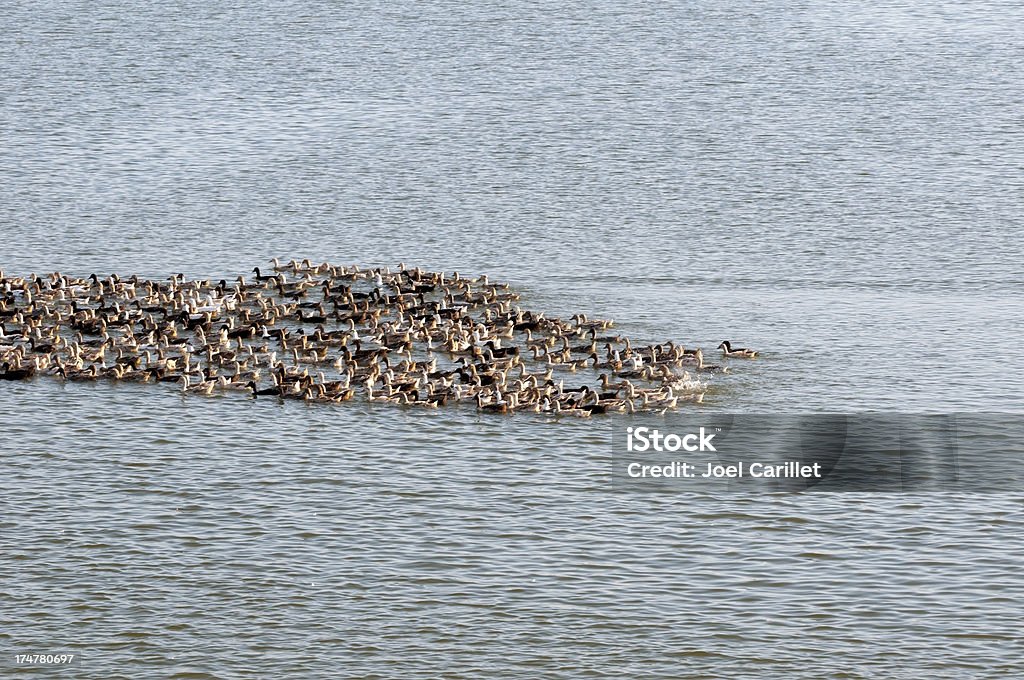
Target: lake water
x=838, y=186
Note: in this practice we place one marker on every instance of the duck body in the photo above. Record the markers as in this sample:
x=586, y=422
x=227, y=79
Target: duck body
x=267, y=391
x=736, y=352
x=7, y=372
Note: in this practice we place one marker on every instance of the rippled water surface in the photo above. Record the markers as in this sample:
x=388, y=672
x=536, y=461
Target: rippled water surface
x=838, y=185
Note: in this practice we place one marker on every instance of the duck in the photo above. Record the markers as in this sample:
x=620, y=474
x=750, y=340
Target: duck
x=708, y=368
x=203, y=387
x=78, y=374
x=261, y=277
x=498, y=405
x=657, y=400
x=736, y=352
x=571, y=410
x=8, y=372
x=267, y=391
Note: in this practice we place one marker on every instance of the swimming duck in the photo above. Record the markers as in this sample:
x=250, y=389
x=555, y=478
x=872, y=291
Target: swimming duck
x=736, y=352
x=496, y=405
x=561, y=410
x=8, y=372
x=267, y=391
x=203, y=387
x=261, y=277
x=708, y=368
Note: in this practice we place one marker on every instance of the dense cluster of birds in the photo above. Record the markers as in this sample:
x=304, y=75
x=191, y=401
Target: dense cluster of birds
x=325, y=333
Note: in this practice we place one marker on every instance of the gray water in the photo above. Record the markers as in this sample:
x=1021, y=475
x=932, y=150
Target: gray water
x=838, y=186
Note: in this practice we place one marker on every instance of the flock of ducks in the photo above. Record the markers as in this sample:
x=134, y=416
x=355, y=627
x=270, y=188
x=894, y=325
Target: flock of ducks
x=325, y=333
